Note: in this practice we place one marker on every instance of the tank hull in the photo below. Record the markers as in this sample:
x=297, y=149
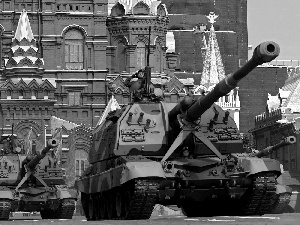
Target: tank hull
x=249, y=183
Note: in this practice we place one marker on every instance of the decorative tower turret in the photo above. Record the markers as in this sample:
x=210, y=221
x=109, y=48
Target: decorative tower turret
x=23, y=59
x=27, y=100
x=128, y=26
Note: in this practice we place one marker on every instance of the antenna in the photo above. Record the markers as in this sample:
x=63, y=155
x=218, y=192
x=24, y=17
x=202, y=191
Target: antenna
x=148, y=47
x=13, y=124
x=148, y=68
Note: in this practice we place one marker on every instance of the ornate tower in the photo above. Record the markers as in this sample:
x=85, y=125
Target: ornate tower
x=213, y=72
x=27, y=100
x=128, y=25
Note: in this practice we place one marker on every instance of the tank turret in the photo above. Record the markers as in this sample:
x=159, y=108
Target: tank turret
x=263, y=53
x=52, y=143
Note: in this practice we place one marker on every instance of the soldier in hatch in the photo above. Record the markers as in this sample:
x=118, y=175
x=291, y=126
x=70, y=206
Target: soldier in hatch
x=137, y=86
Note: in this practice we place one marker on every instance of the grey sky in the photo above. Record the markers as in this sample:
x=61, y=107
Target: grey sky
x=276, y=20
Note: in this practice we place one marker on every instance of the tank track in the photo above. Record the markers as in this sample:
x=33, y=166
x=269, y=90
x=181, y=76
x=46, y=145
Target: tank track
x=260, y=196
x=144, y=196
x=280, y=203
x=64, y=211
x=5, y=207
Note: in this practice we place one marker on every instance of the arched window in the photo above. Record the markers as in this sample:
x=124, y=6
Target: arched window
x=74, y=50
x=161, y=10
x=117, y=10
x=140, y=55
x=8, y=93
x=34, y=94
x=21, y=94
x=141, y=9
x=46, y=94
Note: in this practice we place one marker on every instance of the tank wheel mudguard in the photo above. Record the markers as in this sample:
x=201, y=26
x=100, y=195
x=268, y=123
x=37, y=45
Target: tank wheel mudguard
x=6, y=195
x=133, y=170
x=67, y=194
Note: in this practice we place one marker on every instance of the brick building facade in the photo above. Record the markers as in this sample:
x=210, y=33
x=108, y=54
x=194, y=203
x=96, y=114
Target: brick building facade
x=65, y=29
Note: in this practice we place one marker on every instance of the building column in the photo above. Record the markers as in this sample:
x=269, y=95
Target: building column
x=131, y=58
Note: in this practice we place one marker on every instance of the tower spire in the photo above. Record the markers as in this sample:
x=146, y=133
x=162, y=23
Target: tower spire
x=213, y=70
x=24, y=28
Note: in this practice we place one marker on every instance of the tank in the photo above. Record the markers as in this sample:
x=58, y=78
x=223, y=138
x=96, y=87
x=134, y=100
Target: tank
x=189, y=154
x=279, y=200
x=34, y=183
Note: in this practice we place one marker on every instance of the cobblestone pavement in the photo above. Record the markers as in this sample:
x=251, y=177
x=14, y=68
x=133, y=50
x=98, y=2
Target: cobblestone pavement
x=286, y=219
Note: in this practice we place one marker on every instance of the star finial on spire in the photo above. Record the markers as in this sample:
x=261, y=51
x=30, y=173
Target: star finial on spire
x=212, y=16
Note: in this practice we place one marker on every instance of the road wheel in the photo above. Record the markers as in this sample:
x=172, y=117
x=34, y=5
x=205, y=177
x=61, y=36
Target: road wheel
x=102, y=207
x=85, y=204
x=96, y=207
x=46, y=214
x=91, y=210
x=196, y=209
x=127, y=201
x=110, y=206
x=119, y=205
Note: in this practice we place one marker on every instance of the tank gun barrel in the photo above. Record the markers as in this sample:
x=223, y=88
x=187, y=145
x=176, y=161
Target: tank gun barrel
x=52, y=143
x=267, y=151
x=263, y=53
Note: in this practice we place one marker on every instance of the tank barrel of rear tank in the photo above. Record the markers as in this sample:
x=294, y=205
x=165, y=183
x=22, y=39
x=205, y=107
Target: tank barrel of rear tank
x=263, y=53
x=52, y=143
x=267, y=151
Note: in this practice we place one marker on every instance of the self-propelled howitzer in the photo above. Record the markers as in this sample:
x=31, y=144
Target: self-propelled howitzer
x=253, y=163
x=153, y=151
x=35, y=182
